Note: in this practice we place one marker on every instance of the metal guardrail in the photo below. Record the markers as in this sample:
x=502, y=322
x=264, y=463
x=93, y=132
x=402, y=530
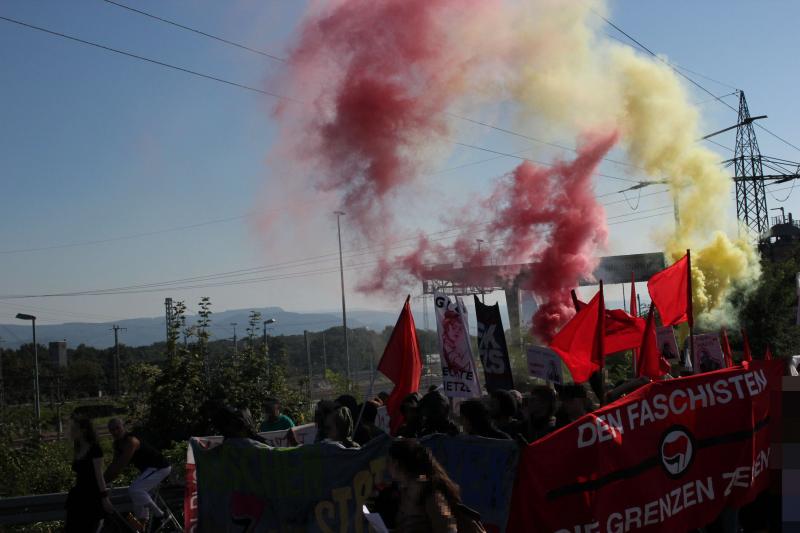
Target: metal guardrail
x=50, y=507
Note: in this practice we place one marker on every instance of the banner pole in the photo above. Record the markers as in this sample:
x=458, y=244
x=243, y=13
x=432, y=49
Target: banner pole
x=690, y=310
x=366, y=399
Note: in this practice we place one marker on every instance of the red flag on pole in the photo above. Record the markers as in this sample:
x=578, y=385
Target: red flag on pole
x=622, y=331
x=768, y=354
x=748, y=355
x=401, y=363
x=650, y=362
x=634, y=303
x=580, y=342
x=670, y=292
x=726, y=348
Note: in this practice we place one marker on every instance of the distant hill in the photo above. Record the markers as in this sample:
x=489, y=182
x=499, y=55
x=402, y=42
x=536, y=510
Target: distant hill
x=145, y=331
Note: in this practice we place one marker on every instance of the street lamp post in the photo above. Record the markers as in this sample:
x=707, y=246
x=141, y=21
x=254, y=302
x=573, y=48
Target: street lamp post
x=37, y=407
x=264, y=333
x=339, y=215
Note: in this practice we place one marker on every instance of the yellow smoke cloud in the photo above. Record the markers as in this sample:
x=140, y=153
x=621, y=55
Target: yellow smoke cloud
x=574, y=78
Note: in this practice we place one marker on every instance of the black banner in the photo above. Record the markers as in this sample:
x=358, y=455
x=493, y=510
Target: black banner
x=492, y=347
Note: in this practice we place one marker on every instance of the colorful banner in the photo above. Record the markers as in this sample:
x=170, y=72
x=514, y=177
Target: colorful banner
x=667, y=345
x=246, y=486
x=459, y=375
x=709, y=355
x=545, y=364
x=492, y=347
x=667, y=457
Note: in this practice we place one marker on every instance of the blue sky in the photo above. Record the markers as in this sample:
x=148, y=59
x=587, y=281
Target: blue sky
x=97, y=146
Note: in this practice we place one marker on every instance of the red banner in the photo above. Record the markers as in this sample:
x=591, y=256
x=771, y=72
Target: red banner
x=668, y=457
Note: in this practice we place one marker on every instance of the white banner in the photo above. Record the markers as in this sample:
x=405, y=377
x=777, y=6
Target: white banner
x=383, y=419
x=709, y=354
x=545, y=364
x=459, y=375
x=665, y=337
x=794, y=366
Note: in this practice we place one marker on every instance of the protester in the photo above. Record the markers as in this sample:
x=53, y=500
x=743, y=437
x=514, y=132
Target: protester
x=412, y=420
x=503, y=411
x=275, y=420
x=518, y=401
x=87, y=502
x=574, y=404
x=153, y=468
x=339, y=428
x=321, y=412
x=476, y=420
x=625, y=388
x=435, y=412
x=348, y=401
x=429, y=501
x=384, y=396
x=540, y=409
x=368, y=418
x=233, y=423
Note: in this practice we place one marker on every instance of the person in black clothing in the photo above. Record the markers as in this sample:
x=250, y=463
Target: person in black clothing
x=476, y=420
x=540, y=409
x=321, y=412
x=435, y=412
x=370, y=430
x=87, y=502
x=574, y=404
x=409, y=408
x=504, y=410
x=130, y=449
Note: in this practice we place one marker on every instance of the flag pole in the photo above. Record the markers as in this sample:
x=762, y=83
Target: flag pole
x=371, y=385
x=690, y=309
x=601, y=330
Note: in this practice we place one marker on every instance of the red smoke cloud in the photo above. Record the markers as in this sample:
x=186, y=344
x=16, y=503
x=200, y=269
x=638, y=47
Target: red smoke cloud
x=375, y=77
x=547, y=217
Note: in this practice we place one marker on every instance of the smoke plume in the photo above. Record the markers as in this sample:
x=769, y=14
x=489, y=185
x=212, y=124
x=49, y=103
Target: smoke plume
x=377, y=79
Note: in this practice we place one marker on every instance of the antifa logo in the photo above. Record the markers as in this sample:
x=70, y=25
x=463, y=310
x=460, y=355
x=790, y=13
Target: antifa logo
x=676, y=451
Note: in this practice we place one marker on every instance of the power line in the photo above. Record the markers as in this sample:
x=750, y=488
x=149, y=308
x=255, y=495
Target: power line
x=149, y=60
x=173, y=23
x=692, y=81
x=255, y=89
x=537, y=162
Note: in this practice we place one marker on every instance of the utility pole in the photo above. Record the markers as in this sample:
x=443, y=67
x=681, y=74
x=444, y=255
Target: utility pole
x=481, y=241
x=339, y=215
x=116, y=329
x=2, y=384
x=308, y=357
x=324, y=356
x=235, y=345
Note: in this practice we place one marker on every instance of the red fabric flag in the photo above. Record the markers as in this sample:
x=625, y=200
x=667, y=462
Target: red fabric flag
x=726, y=348
x=669, y=290
x=650, y=362
x=748, y=355
x=580, y=342
x=634, y=302
x=401, y=363
x=622, y=331
x=768, y=354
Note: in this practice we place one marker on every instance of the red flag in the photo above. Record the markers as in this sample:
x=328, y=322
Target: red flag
x=622, y=331
x=726, y=348
x=768, y=354
x=650, y=362
x=748, y=355
x=634, y=311
x=580, y=342
x=669, y=290
x=401, y=363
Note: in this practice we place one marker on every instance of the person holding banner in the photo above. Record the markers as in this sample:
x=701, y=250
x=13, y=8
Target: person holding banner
x=339, y=428
x=435, y=413
x=476, y=420
x=430, y=502
x=540, y=409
